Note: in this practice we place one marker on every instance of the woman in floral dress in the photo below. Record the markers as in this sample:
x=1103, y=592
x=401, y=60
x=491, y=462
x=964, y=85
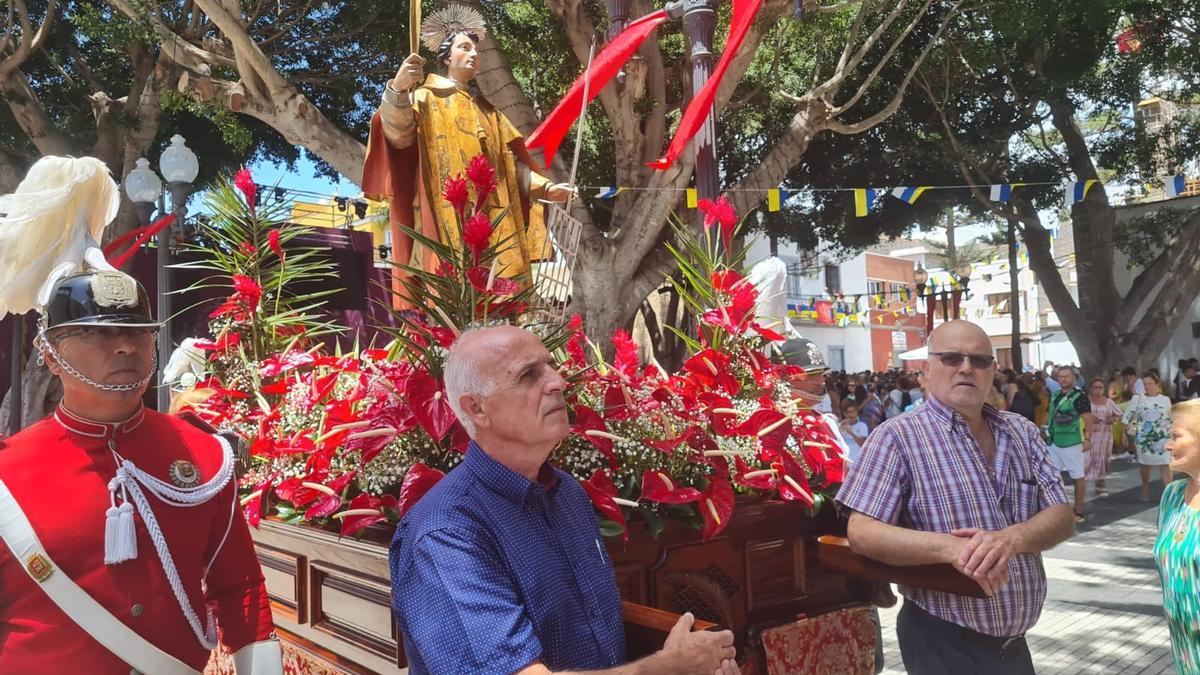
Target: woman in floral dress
x=1177, y=549
x=1098, y=453
x=1148, y=420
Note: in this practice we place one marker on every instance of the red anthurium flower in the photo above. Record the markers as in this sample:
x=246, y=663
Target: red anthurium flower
x=601, y=491
x=287, y=489
x=443, y=336
x=254, y=506
x=618, y=404
x=417, y=482
x=835, y=470
x=225, y=342
x=231, y=307
x=273, y=243
x=793, y=484
x=369, y=511
x=770, y=426
x=666, y=445
x=459, y=440
x=243, y=181
x=455, y=192
x=370, y=441
x=657, y=486
x=767, y=333
x=758, y=479
x=501, y=287
x=427, y=398
x=325, y=504
x=589, y=425
x=722, y=421
x=477, y=233
x=716, y=506
x=277, y=364
x=482, y=174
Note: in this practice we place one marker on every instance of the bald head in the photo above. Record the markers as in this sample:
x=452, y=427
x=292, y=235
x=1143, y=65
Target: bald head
x=962, y=336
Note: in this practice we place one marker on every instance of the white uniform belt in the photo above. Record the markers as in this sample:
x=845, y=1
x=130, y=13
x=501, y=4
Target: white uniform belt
x=82, y=608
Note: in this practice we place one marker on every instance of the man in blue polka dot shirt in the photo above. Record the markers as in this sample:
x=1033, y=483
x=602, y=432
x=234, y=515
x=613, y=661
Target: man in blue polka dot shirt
x=500, y=568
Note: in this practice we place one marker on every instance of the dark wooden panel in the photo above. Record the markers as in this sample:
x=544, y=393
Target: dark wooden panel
x=774, y=573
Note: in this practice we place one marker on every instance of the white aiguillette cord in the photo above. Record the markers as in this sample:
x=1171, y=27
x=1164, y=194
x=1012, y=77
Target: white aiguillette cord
x=120, y=535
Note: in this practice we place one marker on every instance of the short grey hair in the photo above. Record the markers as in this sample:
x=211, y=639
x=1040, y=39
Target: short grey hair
x=463, y=373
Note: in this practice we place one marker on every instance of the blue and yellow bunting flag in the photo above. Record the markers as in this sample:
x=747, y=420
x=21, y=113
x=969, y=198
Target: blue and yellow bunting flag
x=864, y=201
x=908, y=195
x=608, y=192
x=776, y=198
x=691, y=198
x=1001, y=193
x=1075, y=191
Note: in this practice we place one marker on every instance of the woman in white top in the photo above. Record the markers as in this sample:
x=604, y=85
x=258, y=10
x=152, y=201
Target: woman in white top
x=1148, y=420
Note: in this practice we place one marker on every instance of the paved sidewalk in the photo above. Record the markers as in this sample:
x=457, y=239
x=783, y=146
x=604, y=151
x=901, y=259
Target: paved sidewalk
x=1103, y=612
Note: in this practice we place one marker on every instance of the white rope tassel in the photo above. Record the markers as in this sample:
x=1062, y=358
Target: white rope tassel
x=120, y=534
x=130, y=480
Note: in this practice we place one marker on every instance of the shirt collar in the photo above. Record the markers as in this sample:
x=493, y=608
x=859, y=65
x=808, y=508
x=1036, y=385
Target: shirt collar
x=93, y=429
x=949, y=417
x=504, y=481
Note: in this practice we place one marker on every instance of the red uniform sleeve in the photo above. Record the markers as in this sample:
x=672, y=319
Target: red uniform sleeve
x=235, y=579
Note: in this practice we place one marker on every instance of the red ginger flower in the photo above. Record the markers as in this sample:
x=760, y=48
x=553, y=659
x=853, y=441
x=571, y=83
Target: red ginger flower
x=482, y=174
x=247, y=291
x=477, y=233
x=273, y=243
x=722, y=212
x=243, y=181
x=455, y=192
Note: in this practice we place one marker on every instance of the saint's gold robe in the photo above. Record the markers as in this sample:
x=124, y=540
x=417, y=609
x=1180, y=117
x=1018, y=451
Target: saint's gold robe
x=452, y=127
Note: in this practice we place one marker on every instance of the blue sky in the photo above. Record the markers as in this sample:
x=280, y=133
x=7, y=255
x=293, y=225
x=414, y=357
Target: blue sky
x=301, y=178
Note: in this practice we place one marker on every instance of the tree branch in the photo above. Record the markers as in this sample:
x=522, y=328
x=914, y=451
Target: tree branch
x=847, y=65
x=887, y=56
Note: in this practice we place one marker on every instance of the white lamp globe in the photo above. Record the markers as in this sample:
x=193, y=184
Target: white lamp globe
x=142, y=185
x=178, y=162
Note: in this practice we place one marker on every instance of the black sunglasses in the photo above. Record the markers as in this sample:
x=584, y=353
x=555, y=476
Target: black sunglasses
x=955, y=359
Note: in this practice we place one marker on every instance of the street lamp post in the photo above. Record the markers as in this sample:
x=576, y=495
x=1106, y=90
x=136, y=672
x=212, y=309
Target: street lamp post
x=699, y=24
x=927, y=290
x=180, y=167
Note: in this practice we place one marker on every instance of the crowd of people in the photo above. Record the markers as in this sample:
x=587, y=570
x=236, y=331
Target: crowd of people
x=1086, y=423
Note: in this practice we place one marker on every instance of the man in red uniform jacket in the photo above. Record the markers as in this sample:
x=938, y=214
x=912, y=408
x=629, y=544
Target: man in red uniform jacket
x=123, y=544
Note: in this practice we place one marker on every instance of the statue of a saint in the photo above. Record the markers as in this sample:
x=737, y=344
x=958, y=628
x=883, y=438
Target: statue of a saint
x=421, y=136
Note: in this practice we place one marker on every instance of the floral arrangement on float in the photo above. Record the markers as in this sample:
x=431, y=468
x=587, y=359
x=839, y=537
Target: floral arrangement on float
x=352, y=439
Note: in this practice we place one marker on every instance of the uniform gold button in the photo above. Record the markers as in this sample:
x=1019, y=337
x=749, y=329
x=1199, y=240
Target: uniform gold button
x=136, y=610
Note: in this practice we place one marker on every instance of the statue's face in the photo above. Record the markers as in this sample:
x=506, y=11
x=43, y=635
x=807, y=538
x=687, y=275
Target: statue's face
x=463, y=59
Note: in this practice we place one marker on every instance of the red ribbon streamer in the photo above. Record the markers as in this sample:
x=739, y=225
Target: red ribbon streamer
x=549, y=135
x=697, y=111
x=143, y=235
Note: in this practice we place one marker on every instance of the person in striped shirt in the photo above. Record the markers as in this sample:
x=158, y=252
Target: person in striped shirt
x=958, y=481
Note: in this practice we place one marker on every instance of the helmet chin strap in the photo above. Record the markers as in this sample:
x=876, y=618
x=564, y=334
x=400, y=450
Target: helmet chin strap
x=74, y=372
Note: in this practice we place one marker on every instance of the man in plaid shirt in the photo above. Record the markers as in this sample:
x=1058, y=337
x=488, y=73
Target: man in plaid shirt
x=957, y=481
